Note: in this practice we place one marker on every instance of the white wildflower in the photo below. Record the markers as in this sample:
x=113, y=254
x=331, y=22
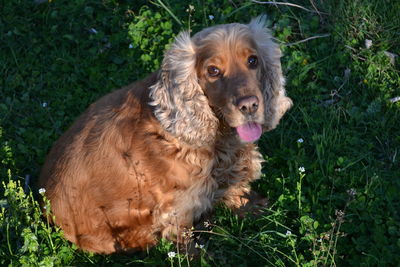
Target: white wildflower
x=130, y=46
x=352, y=192
x=211, y=17
x=201, y=246
x=44, y=104
x=288, y=232
x=368, y=43
x=301, y=169
x=42, y=191
x=395, y=99
x=93, y=30
x=300, y=140
x=172, y=254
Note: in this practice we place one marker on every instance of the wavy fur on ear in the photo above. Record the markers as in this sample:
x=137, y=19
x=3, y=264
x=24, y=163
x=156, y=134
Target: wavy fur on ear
x=180, y=104
x=276, y=101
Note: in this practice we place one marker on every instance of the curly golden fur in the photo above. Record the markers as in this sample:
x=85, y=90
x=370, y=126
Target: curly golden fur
x=146, y=161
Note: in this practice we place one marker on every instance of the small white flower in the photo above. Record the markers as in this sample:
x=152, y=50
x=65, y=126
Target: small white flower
x=395, y=99
x=130, y=46
x=93, y=30
x=45, y=207
x=172, y=254
x=368, y=43
x=352, y=192
x=211, y=17
x=42, y=191
x=301, y=169
x=201, y=246
x=44, y=104
x=288, y=232
x=300, y=140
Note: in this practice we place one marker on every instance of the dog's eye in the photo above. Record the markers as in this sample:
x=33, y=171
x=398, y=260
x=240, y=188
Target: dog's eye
x=252, y=61
x=213, y=71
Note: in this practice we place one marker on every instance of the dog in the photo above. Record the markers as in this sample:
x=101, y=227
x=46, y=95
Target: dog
x=146, y=161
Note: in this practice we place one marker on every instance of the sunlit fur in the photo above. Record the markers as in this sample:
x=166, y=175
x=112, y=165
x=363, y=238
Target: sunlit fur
x=146, y=161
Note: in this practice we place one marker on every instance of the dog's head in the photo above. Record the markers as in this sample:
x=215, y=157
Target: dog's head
x=228, y=74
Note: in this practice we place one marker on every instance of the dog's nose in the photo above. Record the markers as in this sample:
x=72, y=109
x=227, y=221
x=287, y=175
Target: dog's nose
x=248, y=104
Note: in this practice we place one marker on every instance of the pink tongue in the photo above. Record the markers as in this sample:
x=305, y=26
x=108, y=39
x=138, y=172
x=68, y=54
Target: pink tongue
x=249, y=132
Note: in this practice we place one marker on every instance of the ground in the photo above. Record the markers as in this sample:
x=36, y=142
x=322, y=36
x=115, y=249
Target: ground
x=332, y=166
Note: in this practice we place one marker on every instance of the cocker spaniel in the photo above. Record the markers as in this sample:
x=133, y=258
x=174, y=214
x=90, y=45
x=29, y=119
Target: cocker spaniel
x=146, y=161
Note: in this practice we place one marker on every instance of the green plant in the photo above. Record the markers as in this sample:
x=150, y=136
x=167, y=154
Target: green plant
x=27, y=239
x=151, y=33
x=60, y=56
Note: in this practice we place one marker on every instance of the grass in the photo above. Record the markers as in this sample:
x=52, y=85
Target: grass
x=57, y=57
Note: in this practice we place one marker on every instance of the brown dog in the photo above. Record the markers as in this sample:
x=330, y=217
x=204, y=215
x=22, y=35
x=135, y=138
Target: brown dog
x=147, y=160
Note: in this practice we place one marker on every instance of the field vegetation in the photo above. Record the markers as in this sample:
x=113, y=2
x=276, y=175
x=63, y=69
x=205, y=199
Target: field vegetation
x=332, y=167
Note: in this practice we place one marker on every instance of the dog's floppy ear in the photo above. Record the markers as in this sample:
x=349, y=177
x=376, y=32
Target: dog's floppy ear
x=276, y=101
x=180, y=104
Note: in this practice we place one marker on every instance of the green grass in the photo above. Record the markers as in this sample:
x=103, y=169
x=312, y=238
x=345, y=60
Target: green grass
x=342, y=210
